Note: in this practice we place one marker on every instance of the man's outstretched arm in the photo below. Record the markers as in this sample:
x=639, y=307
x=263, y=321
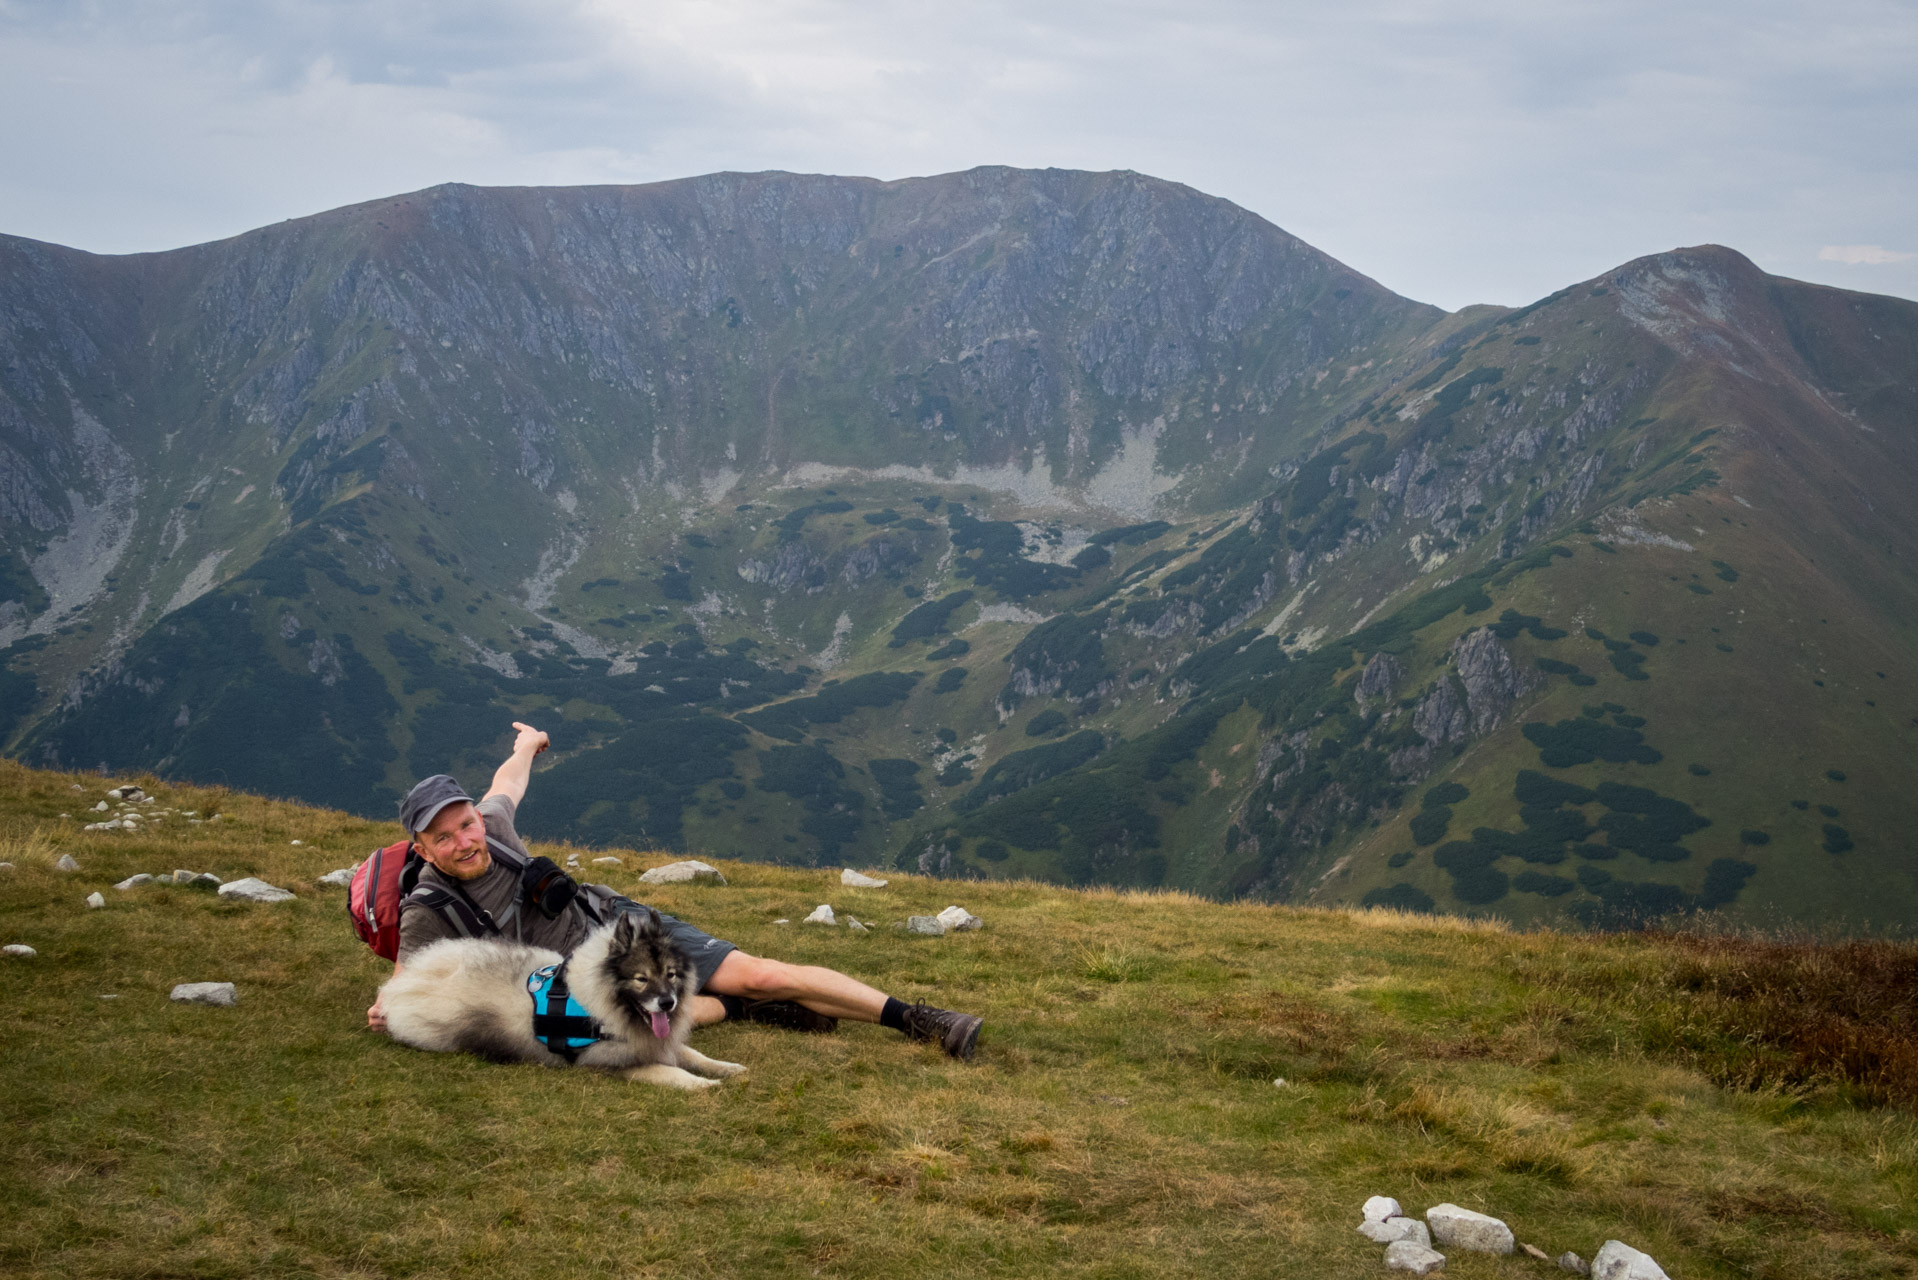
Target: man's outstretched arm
x=511, y=779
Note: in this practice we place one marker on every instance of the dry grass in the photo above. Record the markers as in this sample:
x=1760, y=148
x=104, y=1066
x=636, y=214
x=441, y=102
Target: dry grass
x=1121, y=1120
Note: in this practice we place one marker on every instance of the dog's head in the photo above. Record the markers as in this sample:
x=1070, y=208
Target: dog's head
x=651, y=979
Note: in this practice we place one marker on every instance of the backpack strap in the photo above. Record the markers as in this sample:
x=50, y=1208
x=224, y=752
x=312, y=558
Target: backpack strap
x=467, y=919
x=560, y=1022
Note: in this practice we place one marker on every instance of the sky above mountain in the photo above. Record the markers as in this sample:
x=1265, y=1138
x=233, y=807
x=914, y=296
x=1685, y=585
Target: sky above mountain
x=1477, y=151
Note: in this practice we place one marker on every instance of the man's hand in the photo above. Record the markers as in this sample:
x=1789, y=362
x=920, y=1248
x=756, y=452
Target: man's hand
x=530, y=739
x=376, y=1016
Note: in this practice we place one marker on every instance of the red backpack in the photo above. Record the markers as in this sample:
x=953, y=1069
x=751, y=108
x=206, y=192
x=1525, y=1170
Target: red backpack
x=373, y=899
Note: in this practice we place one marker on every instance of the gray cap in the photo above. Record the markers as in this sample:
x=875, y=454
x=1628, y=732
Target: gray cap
x=424, y=802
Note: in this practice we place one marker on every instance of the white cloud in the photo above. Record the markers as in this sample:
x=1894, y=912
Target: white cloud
x=1867, y=255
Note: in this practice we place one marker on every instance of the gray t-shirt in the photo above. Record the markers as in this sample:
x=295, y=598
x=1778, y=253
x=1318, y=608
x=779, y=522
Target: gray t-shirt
x=496, y=891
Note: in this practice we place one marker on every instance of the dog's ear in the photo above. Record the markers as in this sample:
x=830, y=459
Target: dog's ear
x=625, y=930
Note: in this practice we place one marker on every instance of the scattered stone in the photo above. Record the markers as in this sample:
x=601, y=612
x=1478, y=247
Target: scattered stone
x=205, y=880
x=66, y=863
x=1619, y=1261
x=134, y=882
x=927, y=926
x=215, y=993
x=253, y=889
x=959, y=920
x=110, y=997
x=1406, y=1255
x=572, y=859
x=1379, y=1208
x=683, y=872
x=1569, y=1261
x=6, y=866
x=821, y=914
x=608, y=861
x=858, y=880
x=1396, y=1228
x=96, y=900
x=102, y=807
x=296, y=842
x=183, y=877
x=337, y=879
x=856, y=927
x=1533, y=1251
x=128, y=792
x=76, y=787
x=1465, y=1229
x=1281, y=1083
x=20, y=949
x=780, y=921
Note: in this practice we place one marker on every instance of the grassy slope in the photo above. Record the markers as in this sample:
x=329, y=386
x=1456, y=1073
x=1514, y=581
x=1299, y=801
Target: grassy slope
x=1121, y=1118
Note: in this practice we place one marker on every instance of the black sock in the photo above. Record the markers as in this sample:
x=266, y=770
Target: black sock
x=893, y=1015
x=733, y=1005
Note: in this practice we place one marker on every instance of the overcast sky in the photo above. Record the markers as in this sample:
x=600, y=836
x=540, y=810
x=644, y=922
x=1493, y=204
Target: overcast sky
x=1458, y=152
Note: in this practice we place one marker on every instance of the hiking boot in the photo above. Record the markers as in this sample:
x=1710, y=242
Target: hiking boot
x=787, y=1015
x=956, y=1033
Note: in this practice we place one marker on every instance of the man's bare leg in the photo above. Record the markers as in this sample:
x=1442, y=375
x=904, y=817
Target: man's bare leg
x=822, y=990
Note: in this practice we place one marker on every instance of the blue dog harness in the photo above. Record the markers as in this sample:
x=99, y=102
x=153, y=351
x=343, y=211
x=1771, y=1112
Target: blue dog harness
x=560, y=1022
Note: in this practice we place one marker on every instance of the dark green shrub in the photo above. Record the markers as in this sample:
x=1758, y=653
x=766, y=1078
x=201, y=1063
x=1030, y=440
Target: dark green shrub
x=899, y=791
x=949, y=679
x=1445, y=793
x=1022, y=769
x=1837, y=839
x=954, y=774
x=1399, y=859
x=1749, y=836
x=1552, y=666
x=1801, y=804
x=928, y=619
x=1627, y=663
x=1047, y=722
x=1829, y=810
x=1724, y=881
x=1132, y=535
x=954, y=648
x=1428, y=825
x=1725, y=571
x=992, y=851
x=1593, y=633
x=1581, y=741
x=1546, y=886
x=1480, y=887
x=1697, y=590
x=1595, y=852
x=1645, y=638
x=1836, y=775
x=945, y=735
x=1698, y=770
x=1399, y=897
x=888, y=516
x=1556, y=825
x=732, y=789
x=1532, y=846
x=833, y=703
x=1582, y=680
x=676, y=584
x=1534, y=788
x=1092, y=557
x=1593, y=878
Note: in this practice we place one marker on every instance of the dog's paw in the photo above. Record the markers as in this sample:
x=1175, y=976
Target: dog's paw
x=725, y=1070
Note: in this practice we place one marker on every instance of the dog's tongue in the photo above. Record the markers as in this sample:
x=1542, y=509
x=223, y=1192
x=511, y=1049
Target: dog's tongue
x=662, y=1026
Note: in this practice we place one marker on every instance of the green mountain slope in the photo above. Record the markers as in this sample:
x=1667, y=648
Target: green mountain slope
x=1076, y=526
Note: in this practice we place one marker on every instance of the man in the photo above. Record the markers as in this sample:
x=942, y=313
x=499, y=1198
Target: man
x=450, y=832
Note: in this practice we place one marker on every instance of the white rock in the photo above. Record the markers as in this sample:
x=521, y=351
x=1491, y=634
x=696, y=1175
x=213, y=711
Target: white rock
x=183, y=877
x=102, y=807
x=856, y=927
x=205, y=880
x=337, y=879
x=294, y=842
x=1465, y=1229
x=96, y=900
x=101, y=826
x=857, y=880
x=127, y=792
x=253, y=889
x=682, y=872
x=959, y=920
x=1619, y=1261
x=929, y=926
x=6, y=866
x=1396, y=1228
x=776, y=921
x=1280, y=1082
x=1569, y=1261
x=219, y=993
x=1407, y=1255
x=1379, y=1208
x=66, y=863
x=608, y=861
x=572, y=859
x=821, y=914
x=20, y=949
x=134, y=882
x=76, y=787
x=1533, y=1251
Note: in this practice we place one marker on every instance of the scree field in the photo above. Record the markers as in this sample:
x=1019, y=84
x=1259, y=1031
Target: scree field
x=1733, y=1107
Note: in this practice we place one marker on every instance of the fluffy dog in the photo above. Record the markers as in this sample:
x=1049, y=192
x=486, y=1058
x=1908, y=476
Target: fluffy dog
x=471, y=995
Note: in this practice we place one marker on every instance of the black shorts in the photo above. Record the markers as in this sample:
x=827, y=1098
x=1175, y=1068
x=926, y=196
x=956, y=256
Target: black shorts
x=705, y=951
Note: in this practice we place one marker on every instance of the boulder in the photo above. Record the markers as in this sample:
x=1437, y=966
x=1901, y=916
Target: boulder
x=252, y=889
x=215, y=993
x=857, y=880
x=1379, y=1208
x=102, y=807
x=66, y=863
x=134, y=882
x=96, y=900
x=1396, y=1228
x=337, y=879
x=608, y=861
x=1465, y=1229
x=183, y=877
x=1569, y=1261
x=927, y=926
x=821, y=914
x=1408, y=1255
x=856, y=927
x=205, y=880
x=959, y=920
x=20, y=949
x=683, y=873
x=128, y=792
x=1619, y=1261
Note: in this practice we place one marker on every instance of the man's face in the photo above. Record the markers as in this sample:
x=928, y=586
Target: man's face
x=454, y=842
